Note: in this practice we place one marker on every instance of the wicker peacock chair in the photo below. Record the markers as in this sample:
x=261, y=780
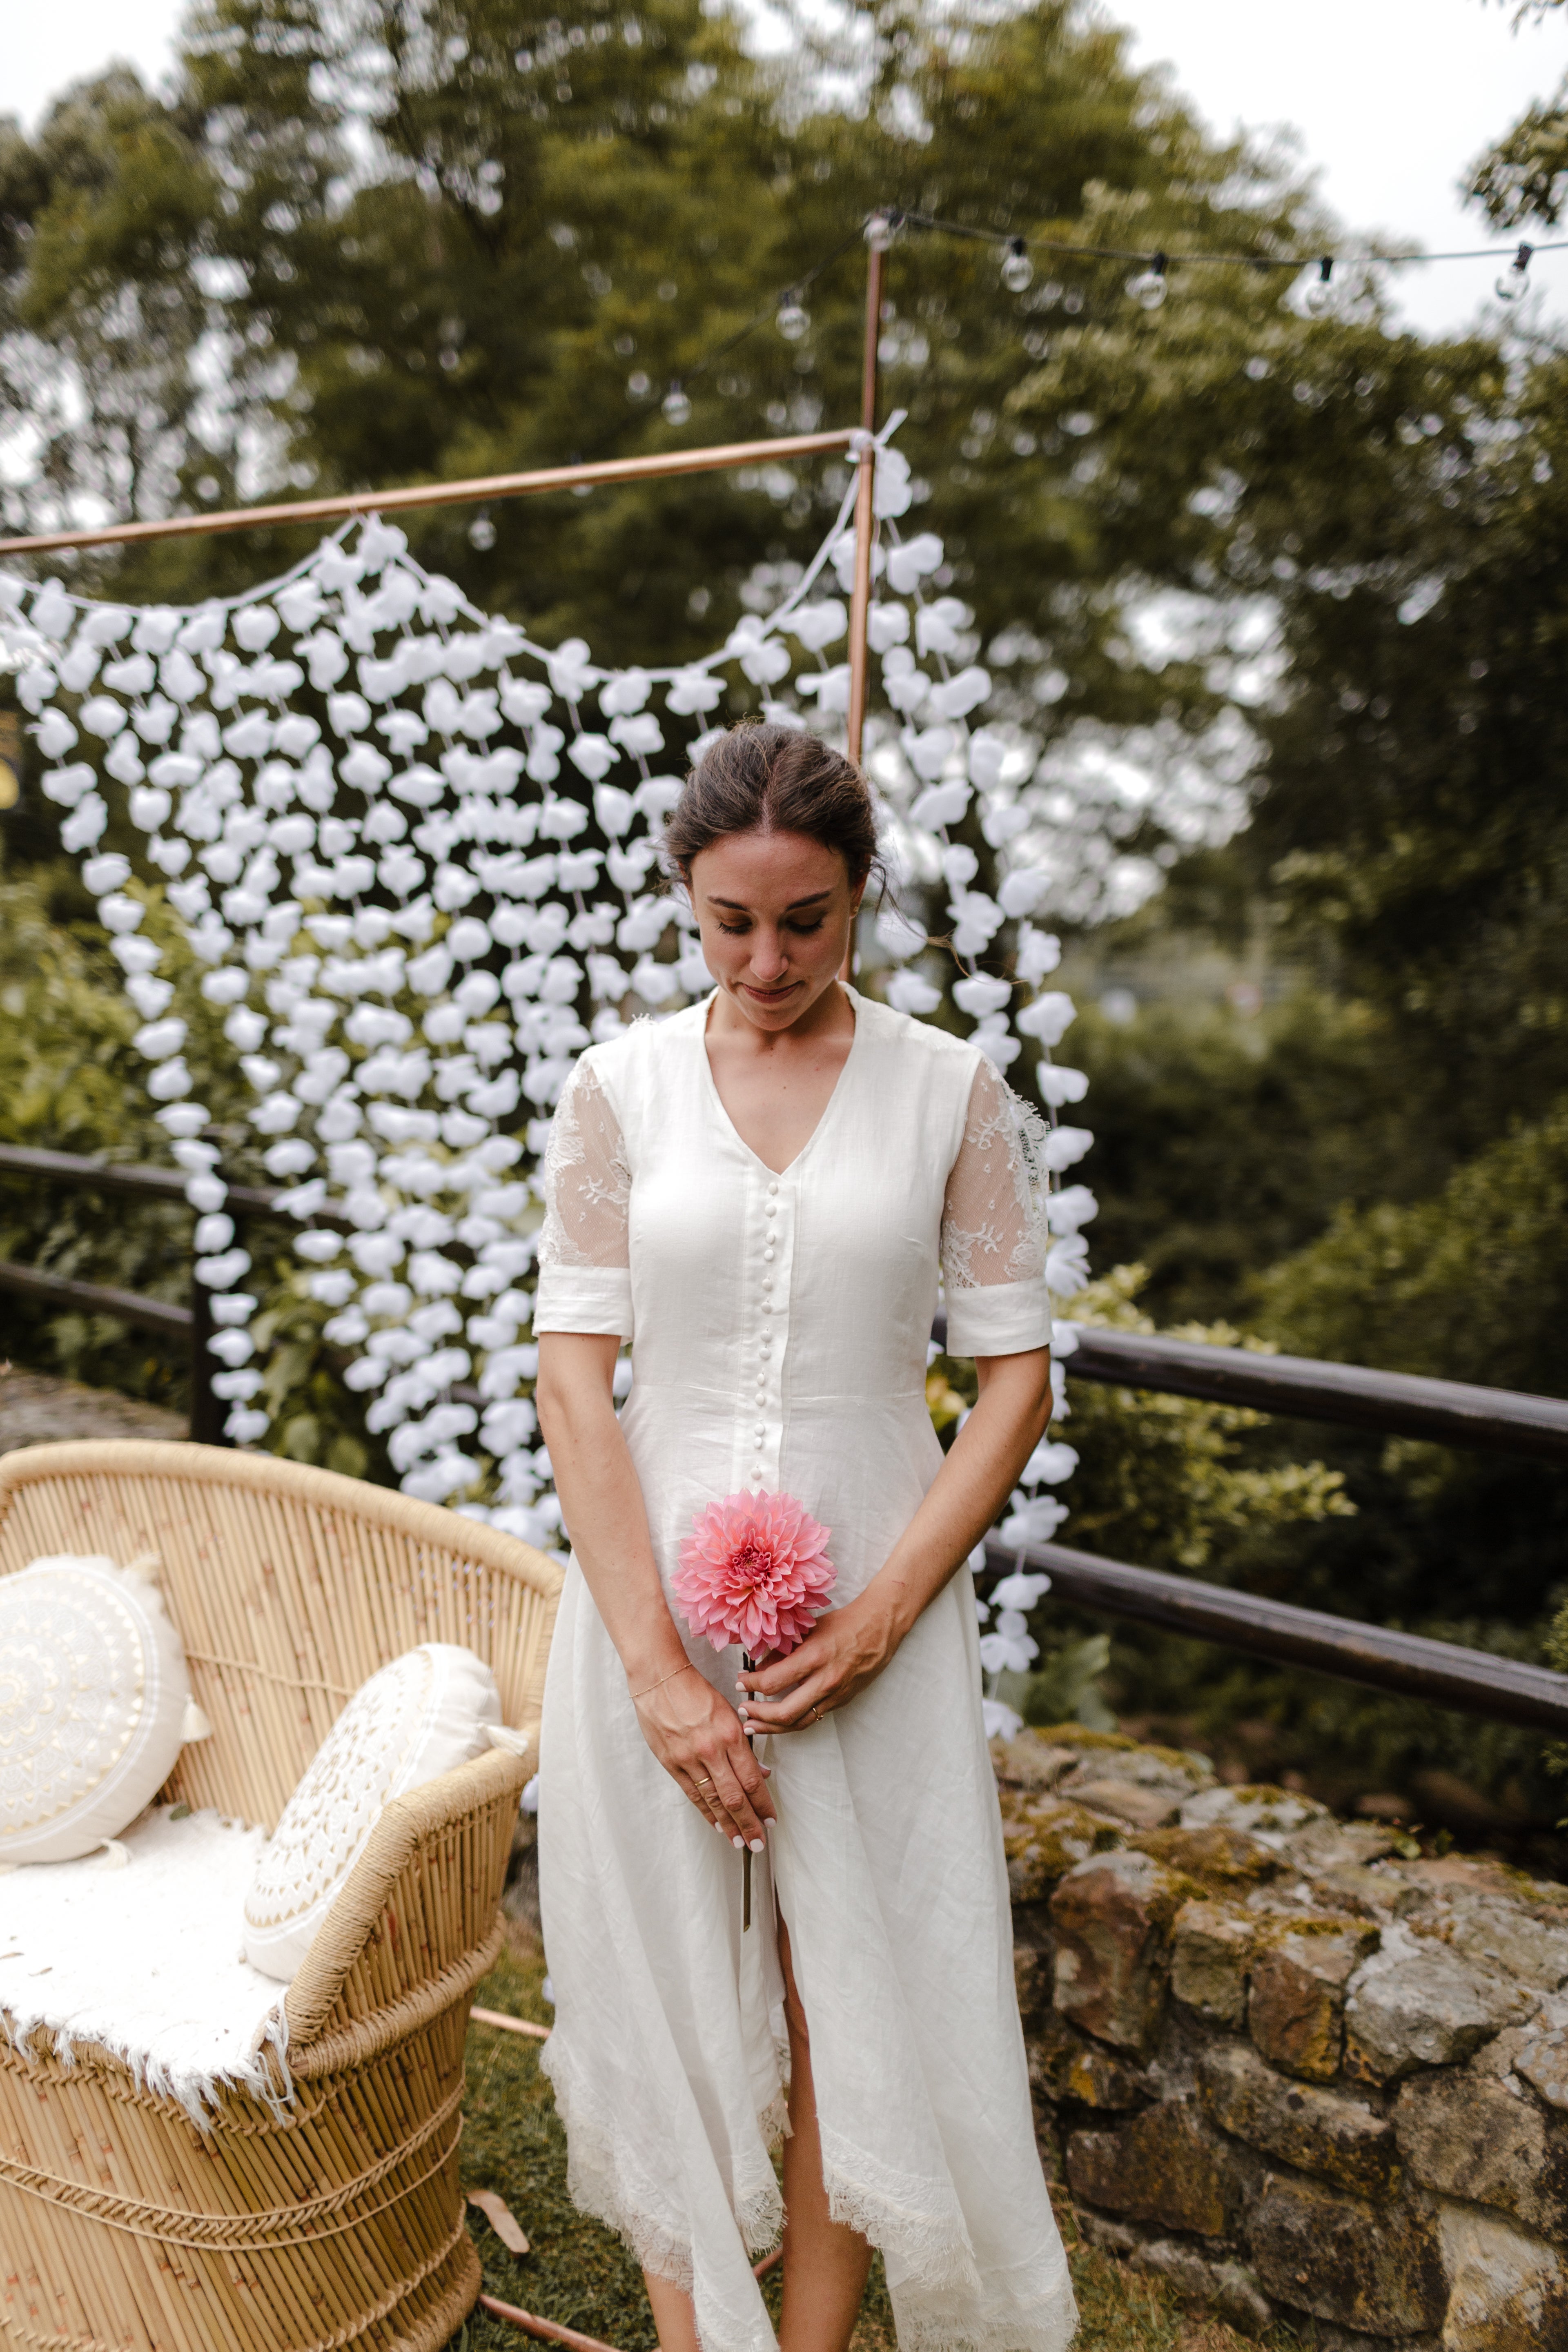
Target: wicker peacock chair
x=336, y=2220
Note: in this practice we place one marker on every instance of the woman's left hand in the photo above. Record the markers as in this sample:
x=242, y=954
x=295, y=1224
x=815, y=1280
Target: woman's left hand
x=844, y=1650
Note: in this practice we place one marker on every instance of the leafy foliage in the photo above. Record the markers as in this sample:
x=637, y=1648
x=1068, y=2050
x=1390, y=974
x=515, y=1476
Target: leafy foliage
x=1298, y=566
x=1159, y=1479
x=71, y=1081
x=474, y=240
x=1469, y=1282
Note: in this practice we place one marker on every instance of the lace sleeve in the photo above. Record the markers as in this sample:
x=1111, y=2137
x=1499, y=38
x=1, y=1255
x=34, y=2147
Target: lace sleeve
x=584, y=1253
x=993, y=1236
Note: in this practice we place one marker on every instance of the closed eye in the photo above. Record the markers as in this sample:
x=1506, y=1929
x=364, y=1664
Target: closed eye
x=803, y=929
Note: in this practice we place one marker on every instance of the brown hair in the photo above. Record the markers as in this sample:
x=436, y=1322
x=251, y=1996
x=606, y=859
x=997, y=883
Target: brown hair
x=774, y=780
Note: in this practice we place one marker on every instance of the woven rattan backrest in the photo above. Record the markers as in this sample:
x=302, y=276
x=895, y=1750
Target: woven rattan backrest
x=288, y=1585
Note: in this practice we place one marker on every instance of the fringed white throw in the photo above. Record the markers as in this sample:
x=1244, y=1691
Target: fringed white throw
x=145, y=1960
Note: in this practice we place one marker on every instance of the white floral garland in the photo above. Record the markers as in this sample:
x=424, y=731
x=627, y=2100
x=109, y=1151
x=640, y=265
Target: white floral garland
x=479, y=755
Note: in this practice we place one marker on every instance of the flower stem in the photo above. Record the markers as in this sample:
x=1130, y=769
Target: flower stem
x=746, y=1858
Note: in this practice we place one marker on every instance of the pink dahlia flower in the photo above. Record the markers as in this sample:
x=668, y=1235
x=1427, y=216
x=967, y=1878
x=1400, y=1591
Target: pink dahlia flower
x=754, y=1571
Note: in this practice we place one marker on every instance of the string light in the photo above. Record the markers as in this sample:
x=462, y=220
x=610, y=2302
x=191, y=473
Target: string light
x=1148, y=289
x=482, y=531
x=1018, y=269
x=1516, y=279
x=1148, y=285
x=1293, y=262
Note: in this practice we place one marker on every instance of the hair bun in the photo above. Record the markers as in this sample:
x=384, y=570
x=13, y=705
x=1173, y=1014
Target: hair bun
x=758, y=778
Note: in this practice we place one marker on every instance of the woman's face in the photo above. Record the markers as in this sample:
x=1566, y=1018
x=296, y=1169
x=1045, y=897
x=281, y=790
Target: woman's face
x=775, y=911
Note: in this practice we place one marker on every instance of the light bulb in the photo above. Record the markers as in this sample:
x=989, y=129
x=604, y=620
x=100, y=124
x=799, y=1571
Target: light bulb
x=1017, y=270
x=793, y=319
x=1517, y=281
x=1148, y=287
x=1321, y=293
x=880, y=231
x=482, y=534
x=676, y=406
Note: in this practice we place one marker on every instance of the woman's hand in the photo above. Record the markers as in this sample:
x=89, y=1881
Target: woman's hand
x=850, y=1646
x=844, y=1650
x=700, y=1740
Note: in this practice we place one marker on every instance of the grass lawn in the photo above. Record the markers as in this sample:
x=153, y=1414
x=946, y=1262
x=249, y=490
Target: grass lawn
x=580, y=2275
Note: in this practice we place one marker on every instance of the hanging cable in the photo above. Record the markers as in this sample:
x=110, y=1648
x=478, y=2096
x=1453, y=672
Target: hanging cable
x=1017, y=245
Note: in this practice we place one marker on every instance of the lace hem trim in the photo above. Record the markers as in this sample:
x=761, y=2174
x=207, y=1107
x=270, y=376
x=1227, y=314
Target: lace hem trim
x=941, y=2299
x=601, y=2183
x=1047, y=2326
x=931, y=2249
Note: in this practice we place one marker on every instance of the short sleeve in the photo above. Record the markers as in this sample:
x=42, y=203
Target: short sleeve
x=993, y=1236
x=584, y=1255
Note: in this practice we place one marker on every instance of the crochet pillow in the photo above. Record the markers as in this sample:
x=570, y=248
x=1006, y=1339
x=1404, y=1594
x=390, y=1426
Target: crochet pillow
x=95, y=1704
x=424, y=1713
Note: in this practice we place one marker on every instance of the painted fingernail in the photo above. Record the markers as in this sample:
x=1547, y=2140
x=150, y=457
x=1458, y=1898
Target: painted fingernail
x=738, y=1844
x=758, y=1845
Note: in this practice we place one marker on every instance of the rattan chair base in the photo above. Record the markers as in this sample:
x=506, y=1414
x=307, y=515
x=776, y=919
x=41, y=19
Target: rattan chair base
x=332, y=2217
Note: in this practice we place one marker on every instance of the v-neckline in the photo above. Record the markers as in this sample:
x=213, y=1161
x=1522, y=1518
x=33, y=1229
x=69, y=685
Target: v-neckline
x=824, y=1114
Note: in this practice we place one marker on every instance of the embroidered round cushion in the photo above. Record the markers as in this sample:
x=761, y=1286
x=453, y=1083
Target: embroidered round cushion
x=427, y=1711
x=95, y=1704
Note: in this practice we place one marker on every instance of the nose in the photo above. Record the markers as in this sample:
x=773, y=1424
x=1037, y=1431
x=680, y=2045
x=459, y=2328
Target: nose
x=769, y=961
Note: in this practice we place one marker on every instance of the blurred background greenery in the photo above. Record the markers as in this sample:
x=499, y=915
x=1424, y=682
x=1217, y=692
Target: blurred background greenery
x=1279, y=600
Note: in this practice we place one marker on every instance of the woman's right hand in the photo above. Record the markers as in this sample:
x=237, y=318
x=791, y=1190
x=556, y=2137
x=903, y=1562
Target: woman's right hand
x=702, y=1743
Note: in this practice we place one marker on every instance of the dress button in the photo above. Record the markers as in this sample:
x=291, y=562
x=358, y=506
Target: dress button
x=772, y=1190
x=767, y=1306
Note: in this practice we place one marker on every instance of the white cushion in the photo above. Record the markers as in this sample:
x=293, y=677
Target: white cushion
x=95, y=1704
x=424, y=1715
x=145, y=1958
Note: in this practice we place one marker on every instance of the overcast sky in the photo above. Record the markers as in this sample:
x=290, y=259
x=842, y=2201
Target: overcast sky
x=1392, y=99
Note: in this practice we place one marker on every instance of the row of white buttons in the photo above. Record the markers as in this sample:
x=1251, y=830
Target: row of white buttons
x=760, y=1428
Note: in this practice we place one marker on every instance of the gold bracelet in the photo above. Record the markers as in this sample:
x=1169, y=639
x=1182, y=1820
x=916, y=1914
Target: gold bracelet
x=687, y=1668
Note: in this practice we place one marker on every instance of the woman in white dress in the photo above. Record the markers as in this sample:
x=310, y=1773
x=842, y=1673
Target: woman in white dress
x=760, y=1193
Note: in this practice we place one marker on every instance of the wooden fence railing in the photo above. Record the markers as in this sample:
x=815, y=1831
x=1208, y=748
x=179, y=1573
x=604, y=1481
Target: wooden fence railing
x=1396, y=1404
x=193, y=1324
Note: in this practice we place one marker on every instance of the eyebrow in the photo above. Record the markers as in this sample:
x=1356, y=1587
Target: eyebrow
x=740, y=908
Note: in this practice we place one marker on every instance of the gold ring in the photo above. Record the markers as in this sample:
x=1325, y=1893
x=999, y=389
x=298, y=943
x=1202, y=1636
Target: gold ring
x=704, y=1783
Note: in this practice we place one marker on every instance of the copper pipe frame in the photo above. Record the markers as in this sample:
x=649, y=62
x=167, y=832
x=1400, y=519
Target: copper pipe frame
x=548, y=2331
x=719, y=459
x=865, y=519
x=865, y=528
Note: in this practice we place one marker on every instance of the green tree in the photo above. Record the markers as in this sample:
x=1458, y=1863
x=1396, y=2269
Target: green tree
x=476, y=239
x=1524, y=178
x=100, y=313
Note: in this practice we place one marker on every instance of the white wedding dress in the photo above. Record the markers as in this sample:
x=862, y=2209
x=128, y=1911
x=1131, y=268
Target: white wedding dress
x=779, y=1326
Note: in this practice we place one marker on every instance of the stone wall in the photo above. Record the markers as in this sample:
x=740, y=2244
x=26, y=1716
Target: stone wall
x=1286, y=2062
